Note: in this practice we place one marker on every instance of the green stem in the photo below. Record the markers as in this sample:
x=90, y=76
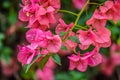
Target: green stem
x=68, y=12
x=94, y=3
x=80, y=13
x=81, y=27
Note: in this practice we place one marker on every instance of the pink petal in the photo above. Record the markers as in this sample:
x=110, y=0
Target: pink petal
x=95, y=59
x=72, y=65
x=51, y=18
x=30, y=58
x=83, y=47
x=55, y=45
x=50, y=9
x=22, y=16
x=82, y=65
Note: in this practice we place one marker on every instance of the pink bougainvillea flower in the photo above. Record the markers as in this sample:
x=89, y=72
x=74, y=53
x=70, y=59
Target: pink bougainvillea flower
x=26, y=54
x=27, y=12
x=98, y=20
x=45, y=74
x=22, y=16
x=43, y=40
x=45, y=16
x=85, y=39
x=99, y=38
x=107, y=5
x=54, y=3
x=63, y=27
x=77, y=62
x=116, y=9
x=94, y=57
x=102, y=36
x=108, y=9
x=79, y=3
x=33, y=35
x=54, y=44
x=111, y=9
x=35, y=24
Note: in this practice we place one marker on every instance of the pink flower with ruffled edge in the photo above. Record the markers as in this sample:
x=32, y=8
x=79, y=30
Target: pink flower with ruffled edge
x=54, y=44
x=94, y=57
x=54, y=3
x=98, y=20
x=45, y=15
x=116, y=7
x=28, y=10
x=26, y=54
x=77, y=62
x=85, y=39
x=33, y=35
x=44, y=40
x=62, y=26
x=99, y=38
x=108, y=9
x=79, y=3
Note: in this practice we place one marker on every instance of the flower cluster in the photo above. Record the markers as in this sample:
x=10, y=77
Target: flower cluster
x=92, y=58
x=40, y=14
x=97, y=35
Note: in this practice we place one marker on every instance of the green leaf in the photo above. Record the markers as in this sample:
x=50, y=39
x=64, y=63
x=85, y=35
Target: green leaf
x=6, y=54
x=56, y=58
x=74, y=39
x=118, y=41
x=27, y=67
x=63, y=47
x=2, y=36
x=6, y=4
x=43, y=62
x=62, y=33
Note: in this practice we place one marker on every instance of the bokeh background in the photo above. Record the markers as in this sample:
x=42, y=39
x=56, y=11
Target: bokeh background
x=12, y=33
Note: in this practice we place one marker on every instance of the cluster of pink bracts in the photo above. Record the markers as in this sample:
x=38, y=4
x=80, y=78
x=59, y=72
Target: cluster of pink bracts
x=40, y=14
x=97, y=35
